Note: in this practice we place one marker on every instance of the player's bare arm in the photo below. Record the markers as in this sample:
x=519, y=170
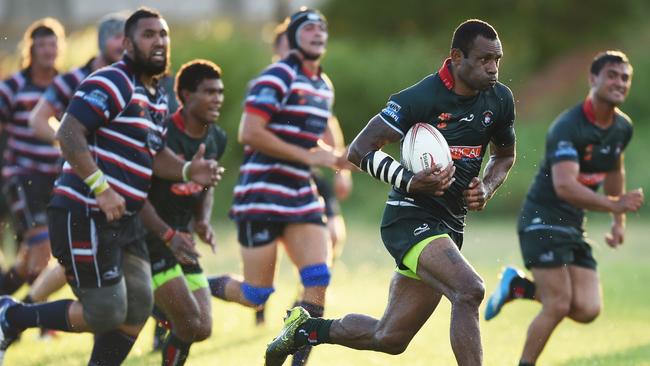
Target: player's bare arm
x=253, y=132
x=375, y=135
x=181, y=244
x=566, y=185
x=74, y=147
x=202, y=215
x=168, y=166
x=39, y=121
x=495, y=173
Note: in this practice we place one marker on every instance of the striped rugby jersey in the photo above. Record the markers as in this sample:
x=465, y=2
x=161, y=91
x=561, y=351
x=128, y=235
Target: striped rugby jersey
x=59, y=93
x=24, y=153
x=125, y=125
x=297, y=106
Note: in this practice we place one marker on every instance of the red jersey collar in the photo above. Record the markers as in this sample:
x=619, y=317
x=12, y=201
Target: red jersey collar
x=588, y=110
x=178, y=120
x=445, y=74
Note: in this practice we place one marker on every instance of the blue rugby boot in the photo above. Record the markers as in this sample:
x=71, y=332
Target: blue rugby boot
x=501, y=294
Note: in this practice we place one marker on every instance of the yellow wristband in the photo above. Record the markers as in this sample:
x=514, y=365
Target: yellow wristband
x=101, y=187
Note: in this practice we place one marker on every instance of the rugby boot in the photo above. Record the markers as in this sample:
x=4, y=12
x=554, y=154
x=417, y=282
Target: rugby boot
x=284, y=344
x=501, y=294
x=8, y=334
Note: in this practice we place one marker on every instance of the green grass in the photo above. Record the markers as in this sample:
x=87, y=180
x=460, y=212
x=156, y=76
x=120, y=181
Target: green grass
x=619, y=337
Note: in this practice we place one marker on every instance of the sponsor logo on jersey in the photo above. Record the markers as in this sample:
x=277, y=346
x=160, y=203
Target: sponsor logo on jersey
x=420, y=229
x=266, y=96
x=465, y=152
x=591, y=179
x=97, y=98
x=470, y=118
x=443, y=117
x=392, y=110
x=186, y=189
x=605, y=149
x=487, y=118
x=564, y=149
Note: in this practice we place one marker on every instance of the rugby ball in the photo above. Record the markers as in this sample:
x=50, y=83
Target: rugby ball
x=424, y=147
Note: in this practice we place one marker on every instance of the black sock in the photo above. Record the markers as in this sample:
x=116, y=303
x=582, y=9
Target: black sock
x=523, y=363
x=111, y=348
x=218, y=286
x=522, y=287
x=11, y=282
x=159, y=333
x=50, y=315
x=175, y=351
x=28, y=299
x=315, y=331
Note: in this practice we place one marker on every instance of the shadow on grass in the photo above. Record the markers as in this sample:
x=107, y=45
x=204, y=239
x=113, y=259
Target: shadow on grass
x=635, y=356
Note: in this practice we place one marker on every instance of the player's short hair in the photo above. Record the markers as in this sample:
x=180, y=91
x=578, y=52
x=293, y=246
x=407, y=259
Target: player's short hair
x=44, y=27
x=192, y=73
x=467, y=31
x=607, y=57
x=132, y=22
x=279, y=31
x=109, y=26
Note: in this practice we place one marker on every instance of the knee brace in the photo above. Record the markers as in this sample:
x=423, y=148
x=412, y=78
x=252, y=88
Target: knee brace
x=137, y=276
x=256, y=295
x=315, y=275
x=104, y=307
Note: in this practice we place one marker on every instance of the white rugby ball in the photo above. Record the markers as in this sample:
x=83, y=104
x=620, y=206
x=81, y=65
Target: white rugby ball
x=424, y=147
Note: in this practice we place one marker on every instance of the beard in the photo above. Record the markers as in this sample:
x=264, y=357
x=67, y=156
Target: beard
x=145, y=65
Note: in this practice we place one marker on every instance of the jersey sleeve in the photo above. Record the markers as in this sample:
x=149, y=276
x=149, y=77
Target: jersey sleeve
x=268, y=90
x=404, y=109
x=8, y=89
x=560, y=144
x=504, y=134
x=58, y=94
x=100, y=98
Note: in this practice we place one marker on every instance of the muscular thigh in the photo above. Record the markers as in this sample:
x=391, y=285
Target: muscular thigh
x=259, y=264
x=410, y=303
x=552, y=283
x=443, y=267
x=176, y=300
x=307, y=244
x=585, y=286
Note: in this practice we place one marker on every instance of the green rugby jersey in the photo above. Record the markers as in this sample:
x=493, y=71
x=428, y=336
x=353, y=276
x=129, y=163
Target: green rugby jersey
x=574, y=136
x=468, y=123
x=175, y=201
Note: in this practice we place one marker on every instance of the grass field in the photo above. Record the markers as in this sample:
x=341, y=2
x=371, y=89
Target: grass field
x=620, y=336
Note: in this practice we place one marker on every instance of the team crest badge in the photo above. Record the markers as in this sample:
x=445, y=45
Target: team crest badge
x=487, y=118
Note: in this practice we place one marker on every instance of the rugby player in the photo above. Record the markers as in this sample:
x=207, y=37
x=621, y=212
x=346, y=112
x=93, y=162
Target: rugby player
x=584, y=151
x=342, y=179
x=275, y=201
x=111, y=137
x=30, y=165
x=177, y=209
x=423, y=221
x=50, y=108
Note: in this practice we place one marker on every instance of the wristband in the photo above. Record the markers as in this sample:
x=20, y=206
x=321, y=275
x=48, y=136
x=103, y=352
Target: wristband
x=97, y=182
x=168, y=235
x=186, y=171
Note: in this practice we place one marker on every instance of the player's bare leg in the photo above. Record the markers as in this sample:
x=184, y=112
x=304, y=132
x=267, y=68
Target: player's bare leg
x=554, y=292
x=49, y=281
x=585, y=294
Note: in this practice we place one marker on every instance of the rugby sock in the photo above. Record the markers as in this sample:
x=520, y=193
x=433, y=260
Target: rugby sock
x=314, y=331
x=10, y=282
x=522, y=288
x=50, y=315
x=218, y=286
x=523, y=363
x=28, y=299
x=175, y=351
x=111, y=348
x=259, y=316
x=159, y=333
